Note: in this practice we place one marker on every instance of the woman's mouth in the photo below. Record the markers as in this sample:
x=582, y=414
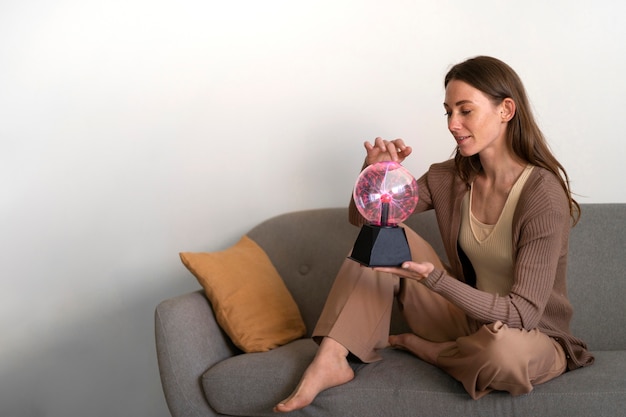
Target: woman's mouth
x=460, y=139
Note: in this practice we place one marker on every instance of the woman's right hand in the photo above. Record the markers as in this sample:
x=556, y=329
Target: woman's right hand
x=386, y=150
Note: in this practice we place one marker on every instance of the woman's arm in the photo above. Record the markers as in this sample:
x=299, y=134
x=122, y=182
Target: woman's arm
x=539, y=251
x=534, y=274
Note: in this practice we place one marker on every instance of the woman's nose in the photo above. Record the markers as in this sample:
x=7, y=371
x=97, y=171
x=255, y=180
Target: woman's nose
x=453, y=123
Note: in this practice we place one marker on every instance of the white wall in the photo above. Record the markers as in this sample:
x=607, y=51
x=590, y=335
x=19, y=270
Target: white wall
x=132, y=130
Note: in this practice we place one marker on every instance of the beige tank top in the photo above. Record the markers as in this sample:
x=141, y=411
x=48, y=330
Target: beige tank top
x=490, y=246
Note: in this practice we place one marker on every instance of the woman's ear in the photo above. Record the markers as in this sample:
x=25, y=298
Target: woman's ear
x=507, y=109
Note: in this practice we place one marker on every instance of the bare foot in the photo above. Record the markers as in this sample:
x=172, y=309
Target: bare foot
x=424, y=349
x=329, y=368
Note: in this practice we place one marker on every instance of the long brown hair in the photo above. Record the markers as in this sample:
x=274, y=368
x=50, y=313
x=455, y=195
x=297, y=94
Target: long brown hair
x=524, y=138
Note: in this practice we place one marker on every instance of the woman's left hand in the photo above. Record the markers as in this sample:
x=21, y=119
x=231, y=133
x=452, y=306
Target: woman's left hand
x=411, y=270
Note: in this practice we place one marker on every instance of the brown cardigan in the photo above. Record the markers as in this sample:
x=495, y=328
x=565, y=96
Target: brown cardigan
x=541, y=225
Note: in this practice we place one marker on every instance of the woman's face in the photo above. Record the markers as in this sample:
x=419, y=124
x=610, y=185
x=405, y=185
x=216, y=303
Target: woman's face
x=478, y=126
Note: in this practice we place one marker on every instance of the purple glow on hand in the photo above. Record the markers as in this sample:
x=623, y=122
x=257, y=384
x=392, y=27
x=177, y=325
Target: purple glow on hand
x=386, y=182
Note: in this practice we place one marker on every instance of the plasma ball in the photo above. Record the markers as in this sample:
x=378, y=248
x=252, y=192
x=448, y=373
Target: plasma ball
x=386, y=184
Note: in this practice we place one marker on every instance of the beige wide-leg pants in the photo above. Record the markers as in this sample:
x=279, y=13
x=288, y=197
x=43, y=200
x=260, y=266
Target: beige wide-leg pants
x=492, y=357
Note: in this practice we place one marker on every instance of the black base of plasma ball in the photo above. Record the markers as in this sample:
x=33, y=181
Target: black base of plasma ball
x=381, y=246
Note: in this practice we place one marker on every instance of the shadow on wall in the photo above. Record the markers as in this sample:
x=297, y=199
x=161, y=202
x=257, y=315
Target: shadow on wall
x=101, y=366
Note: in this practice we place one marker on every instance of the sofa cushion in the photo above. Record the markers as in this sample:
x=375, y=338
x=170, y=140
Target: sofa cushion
x=402, y=385
x=249, y=298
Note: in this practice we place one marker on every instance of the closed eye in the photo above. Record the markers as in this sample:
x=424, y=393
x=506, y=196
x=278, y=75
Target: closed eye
x=463, y=112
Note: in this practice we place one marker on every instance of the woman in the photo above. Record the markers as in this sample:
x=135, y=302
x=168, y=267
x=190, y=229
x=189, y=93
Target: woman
x=498, y=317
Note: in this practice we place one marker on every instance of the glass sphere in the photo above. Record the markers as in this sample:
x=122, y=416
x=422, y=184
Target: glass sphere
x=385, y=193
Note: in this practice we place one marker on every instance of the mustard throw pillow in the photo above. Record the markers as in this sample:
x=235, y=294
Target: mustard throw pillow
x=249, y=298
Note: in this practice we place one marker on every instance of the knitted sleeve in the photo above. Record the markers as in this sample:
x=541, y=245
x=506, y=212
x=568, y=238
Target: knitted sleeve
x=541, y=228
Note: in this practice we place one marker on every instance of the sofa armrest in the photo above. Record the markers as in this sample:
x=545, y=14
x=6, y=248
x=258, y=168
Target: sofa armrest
x=189, y=341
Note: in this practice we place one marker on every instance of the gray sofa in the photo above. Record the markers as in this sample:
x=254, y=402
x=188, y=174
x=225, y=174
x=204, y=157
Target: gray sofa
x=203, y=374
